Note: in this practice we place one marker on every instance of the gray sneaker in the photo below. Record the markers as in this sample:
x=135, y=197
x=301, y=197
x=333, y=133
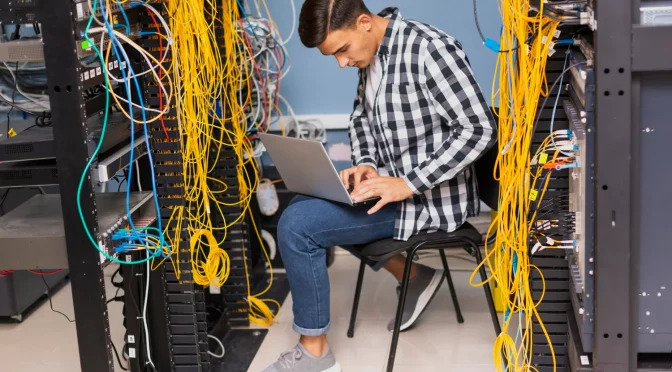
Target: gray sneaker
x=421, y=291
x=300, y=360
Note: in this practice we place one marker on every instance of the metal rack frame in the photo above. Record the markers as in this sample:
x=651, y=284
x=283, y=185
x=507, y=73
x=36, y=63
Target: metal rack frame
x=72, y=154
x=624, y=51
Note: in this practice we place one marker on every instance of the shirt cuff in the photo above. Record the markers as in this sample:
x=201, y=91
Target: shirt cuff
x=367, y=161
x=417, y=181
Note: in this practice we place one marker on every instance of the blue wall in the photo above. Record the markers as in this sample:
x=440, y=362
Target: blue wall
x=315, y=84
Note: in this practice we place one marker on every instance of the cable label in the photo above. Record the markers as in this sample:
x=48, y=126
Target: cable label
x=543, y=158
x=533, y=195
x=584, y=360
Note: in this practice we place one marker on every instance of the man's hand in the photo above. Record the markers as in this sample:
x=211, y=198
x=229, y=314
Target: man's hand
x=358, y=174
x=389, y=189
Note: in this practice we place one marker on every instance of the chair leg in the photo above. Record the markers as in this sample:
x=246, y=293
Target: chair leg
x=486, y=288
x=453, y=294
x=400, y=309
x=355, y=303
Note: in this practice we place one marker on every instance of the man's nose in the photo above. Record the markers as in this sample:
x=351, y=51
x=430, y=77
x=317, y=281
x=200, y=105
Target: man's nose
x=342, y=62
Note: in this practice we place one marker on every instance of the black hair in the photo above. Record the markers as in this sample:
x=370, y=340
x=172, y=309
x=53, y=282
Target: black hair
x=319, y=17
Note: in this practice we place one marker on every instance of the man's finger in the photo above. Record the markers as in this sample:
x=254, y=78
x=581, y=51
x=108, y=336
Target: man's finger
x=381, y=203
x=376, y=181
x=358, y=176
x=365, y=193
x=345, y=177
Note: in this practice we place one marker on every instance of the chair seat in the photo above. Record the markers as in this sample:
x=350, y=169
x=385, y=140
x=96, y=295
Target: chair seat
x=384, y=249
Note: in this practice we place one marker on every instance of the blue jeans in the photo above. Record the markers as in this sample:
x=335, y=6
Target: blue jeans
x=307, y=228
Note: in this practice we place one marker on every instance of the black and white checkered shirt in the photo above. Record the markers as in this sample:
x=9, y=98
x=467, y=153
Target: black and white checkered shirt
x=430, y=125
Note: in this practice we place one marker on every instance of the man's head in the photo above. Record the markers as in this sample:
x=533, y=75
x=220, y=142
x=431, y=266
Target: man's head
x=342, y=28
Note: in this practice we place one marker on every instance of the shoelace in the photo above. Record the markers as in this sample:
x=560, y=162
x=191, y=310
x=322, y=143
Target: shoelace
x=289, y=358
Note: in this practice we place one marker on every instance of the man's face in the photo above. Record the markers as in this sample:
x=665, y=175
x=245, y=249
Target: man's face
x=352, y=46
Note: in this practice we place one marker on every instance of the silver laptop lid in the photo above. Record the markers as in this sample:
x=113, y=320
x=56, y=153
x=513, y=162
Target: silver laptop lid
x=305, y=167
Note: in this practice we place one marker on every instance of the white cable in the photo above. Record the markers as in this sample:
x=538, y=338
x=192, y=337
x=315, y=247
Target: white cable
x=256, y=4
x=137, y=174
x=18, y=89
x=127, y=60
x=293, y=24
x=294, y=121
x=93, y=15
x=22, y=67
x=28, y=107
x=270, y=243
x=220, y=345
x=142, y=51
x=144, y=314
x=169, y=33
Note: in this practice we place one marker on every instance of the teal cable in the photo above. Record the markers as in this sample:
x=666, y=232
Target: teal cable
x=97, y=150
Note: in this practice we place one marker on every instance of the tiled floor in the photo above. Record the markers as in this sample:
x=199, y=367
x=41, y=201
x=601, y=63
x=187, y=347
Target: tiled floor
x=437, y=343
x=47, y=341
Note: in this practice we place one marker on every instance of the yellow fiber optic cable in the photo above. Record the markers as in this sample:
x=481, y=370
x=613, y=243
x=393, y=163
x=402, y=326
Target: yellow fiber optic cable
x=519, y=81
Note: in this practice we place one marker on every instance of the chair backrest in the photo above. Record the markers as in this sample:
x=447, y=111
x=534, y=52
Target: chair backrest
x=488, y=187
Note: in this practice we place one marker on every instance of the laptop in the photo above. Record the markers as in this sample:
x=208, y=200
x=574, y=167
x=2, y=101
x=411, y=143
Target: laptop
x=305, y=168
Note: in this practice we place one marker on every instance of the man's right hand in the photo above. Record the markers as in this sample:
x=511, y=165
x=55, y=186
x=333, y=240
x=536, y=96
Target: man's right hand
x=358, y=174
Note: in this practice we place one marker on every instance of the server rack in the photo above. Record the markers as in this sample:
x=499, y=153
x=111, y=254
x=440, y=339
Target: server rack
x=182, y=327
x=617, y=323
x=68, y=150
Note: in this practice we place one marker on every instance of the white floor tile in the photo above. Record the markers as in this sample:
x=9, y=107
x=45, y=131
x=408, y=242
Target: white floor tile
x=436, y=343
x=47, y=339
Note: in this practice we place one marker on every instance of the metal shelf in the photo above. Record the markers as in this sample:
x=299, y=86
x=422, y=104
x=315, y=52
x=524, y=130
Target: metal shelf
x=33, y=234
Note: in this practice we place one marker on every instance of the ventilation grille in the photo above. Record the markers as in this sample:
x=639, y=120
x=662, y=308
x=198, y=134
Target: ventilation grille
x=22, y=53
x=16, y=175
x=24, y=148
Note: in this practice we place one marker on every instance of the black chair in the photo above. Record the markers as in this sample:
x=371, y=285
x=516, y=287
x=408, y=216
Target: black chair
x=466, y=237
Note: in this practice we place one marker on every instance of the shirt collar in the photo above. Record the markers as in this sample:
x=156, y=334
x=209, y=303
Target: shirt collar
x=391, y=30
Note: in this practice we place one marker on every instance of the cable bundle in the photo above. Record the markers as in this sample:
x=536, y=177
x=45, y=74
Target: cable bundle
x=149, y=238
x=22, y=87
x=526, y=40
x=214, y=90
x=266, y=63
x=199, y=70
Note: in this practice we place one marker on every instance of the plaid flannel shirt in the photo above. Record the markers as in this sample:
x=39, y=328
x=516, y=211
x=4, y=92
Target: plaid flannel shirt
x=430, y=125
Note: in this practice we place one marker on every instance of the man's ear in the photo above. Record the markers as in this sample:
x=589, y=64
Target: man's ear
x=365, y=22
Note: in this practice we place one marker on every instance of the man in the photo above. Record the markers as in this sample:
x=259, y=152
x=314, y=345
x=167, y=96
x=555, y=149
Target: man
x=419, y=123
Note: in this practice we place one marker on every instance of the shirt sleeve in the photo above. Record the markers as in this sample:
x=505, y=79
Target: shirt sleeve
x=458, y=99
x=362, y=141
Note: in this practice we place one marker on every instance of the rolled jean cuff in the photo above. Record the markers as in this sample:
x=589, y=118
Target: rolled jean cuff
x=312, y=332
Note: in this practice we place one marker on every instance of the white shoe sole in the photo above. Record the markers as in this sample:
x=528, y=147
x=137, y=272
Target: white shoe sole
x=424, y=299
x=335, y=368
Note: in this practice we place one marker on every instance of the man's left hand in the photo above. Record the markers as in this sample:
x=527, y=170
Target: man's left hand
x=389, y=189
